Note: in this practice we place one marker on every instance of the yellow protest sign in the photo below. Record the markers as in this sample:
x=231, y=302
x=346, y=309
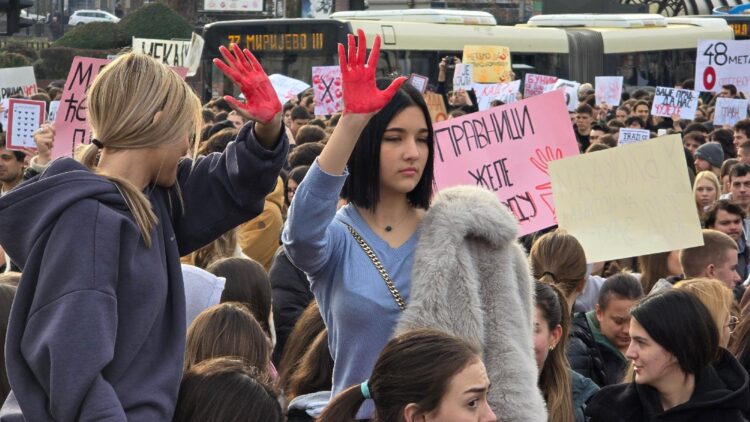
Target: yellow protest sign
x=627, y=201
x=436, y=105
x=491, y=63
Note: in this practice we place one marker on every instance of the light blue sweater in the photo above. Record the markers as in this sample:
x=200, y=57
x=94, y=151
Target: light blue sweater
x=357, y=307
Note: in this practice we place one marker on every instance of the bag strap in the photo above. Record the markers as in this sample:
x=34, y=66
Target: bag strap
x=378, y=266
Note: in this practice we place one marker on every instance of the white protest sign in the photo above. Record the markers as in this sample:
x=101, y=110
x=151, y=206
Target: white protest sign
x=729, y=111
x=287, y=88
x=608, y=90
x=671, y=101
x=724, y=62
x=193, y=59
x=486, y=93
x=419, y=81
x=630, y=136
x=659, y=214
x=53, y=106
x=17, y=81
x=4, y=105
x=24, y=117
x=171, y=53
x=571, y=92
x=534, y=84
x=462, y=77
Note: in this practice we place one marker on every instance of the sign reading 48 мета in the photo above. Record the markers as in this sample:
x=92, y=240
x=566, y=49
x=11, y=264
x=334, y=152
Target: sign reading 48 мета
x=722, y=62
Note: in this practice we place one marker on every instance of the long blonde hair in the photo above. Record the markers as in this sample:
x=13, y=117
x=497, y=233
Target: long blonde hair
x=123, y=102
x=711, y=178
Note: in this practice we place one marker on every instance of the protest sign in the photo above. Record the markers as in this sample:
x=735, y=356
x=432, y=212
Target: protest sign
x=722, y=62
x=24, y=117
x=659, y=214
x=671, y=101
x=419, y=81
x=729, y=111
x=436, y=105
x=193, y=59
x=329, y=98
x=491, y=63
x=462, y=76
x=506, y=150
x=4, y=104
x=486, y=93
x=171, y=53
x=630, y=136
x=286, y=88
x=534, y=84
x=608, y=90
x=569, y=88
x=17, y=81
x=53, y=106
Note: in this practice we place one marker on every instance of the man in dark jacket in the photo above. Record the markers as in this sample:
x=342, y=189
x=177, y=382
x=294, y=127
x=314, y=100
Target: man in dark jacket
x=599, y=338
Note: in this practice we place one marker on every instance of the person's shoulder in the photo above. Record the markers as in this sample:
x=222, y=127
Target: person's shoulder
x=583, y=388
x=619, y=402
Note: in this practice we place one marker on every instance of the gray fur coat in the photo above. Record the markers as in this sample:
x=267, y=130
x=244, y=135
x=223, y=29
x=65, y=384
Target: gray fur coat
x=471, y=279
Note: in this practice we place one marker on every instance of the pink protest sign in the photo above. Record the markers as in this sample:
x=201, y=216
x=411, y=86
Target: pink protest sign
x=507, y=150
x=329, y=98
x=608, y=89
x=71, y=121
x=534, y=84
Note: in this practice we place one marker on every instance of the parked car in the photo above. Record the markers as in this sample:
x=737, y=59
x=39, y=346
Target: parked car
x=80, y=17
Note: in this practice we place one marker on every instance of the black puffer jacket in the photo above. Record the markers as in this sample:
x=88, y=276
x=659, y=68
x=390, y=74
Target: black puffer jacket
x=590, y=356
x=291, y=295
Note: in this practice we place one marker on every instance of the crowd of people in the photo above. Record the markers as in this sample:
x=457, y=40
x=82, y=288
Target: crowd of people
x=250, y=261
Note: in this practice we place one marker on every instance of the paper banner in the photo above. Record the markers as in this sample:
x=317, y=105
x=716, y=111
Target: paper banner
x=463, y=76
x=17, y=81
x=723, y=62
x=329, y=98
x=729, y=111
x=419, y=81
x=486, y=93
x=287, y=88
x=630, y=136
x=491, y=63
x=670, y=101
x=24, y=117
x=626, y=202
x=507, y=149
x=171, y=53
x=436, y=105
x=533, y=84
x=608, y=90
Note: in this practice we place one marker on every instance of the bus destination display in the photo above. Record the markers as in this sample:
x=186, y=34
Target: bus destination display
x=289, y=42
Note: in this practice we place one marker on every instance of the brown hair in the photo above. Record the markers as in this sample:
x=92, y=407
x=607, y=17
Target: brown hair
x=558, y=258
x=307, y=328
x=314, y=371
x=653, y=268
x=226, y=390
x=715, y=245
x=7, y=292
x=227, y=329
x=415, y=367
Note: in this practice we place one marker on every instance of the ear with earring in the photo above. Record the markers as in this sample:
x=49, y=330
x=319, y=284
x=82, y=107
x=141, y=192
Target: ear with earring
x=552, y=347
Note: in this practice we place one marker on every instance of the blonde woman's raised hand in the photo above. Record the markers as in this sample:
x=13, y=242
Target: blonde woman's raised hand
x=361, y=95
x=261, y=102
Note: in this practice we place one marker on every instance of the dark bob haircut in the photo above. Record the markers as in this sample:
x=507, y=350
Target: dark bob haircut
x=680, y=323
x=362, y=187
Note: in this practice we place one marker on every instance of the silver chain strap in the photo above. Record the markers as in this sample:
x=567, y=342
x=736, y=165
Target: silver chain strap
x=378, y=266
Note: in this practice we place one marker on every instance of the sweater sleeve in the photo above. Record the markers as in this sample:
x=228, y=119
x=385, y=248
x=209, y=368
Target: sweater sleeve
x=222, y=191
x=308, y=237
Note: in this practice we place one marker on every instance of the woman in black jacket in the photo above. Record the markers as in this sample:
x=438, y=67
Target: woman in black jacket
x=681, y=373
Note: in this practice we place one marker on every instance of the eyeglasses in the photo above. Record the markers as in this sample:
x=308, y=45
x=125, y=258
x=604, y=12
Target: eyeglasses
x=733, y=321
x=291, y=190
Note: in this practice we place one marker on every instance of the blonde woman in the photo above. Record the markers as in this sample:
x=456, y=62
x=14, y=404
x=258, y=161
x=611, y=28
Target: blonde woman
x=719, y=302
x=97, y=330
x=706, y=190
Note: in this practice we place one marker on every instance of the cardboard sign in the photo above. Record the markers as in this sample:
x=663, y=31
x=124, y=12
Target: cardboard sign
x=721, y=63
x=671, y=101
x=630, y=136
x=419, y=81
x=329, y=98
x=17, y=81
x=24, y=117
x=659, y=214
x=608, y=90
x=491, y=63
x=171, y=53
x=463, y=76
x=486, y=93
x=729, y=111
x=53, y=107
x=286, y=88
x=534, y=84
x=507, y=149
x=436, y=105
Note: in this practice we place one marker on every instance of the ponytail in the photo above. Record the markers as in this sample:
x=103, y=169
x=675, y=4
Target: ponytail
x=136, y=201
x=345, y=406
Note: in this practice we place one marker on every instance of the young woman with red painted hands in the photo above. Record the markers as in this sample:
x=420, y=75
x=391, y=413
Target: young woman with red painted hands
x=97, y=329
x=359, y=259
